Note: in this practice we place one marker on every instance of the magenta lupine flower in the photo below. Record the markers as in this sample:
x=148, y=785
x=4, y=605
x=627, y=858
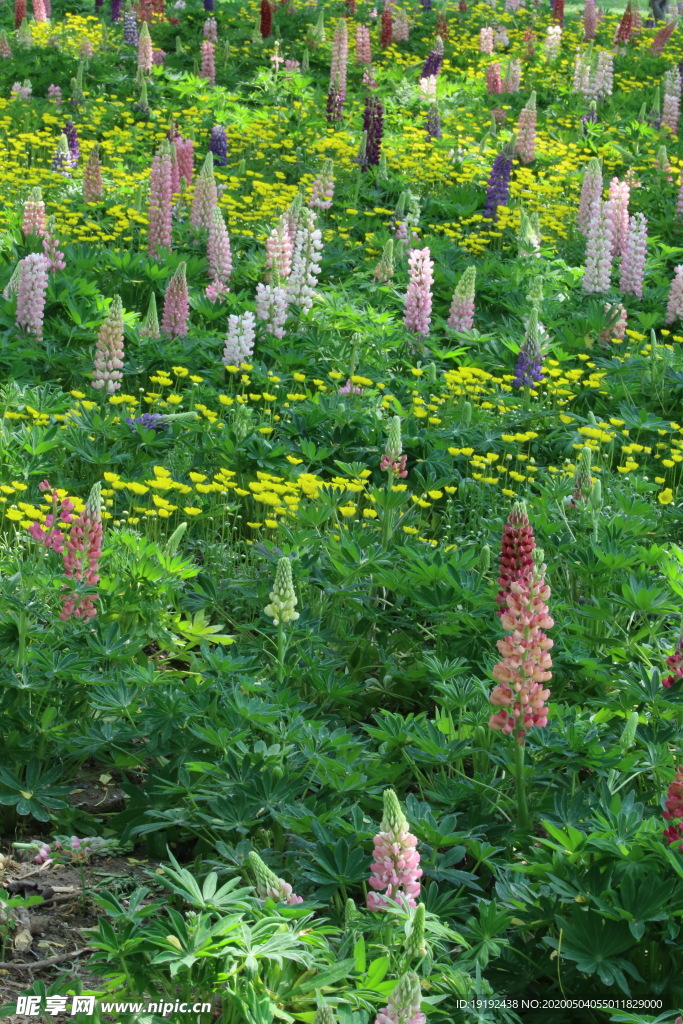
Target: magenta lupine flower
x=208, y=62
x=185, y=153
x=337, y=90
x=671, y=104
x=6, y=49
x=219, y=255
x=53, y=253
x=279, y=251
x=81, y=556
x=92, y=177
x=239, y=341
x=674, y=307
x=599, y=246
x=33, y=271
x=619, y=195
x=590, y=20
x=591, y=189
x=306, y=259
x=675, y=663
x=322, y=189
x=395, y=871
x=160, y=199
x=39, y=13
x=47, y=533
x=674, y=811
x=516, y=558
x=525, y=146
x=108, y=362
x=461, y=316
x=271, y=307
x=363, y=50
x=33, y=222
x=175, y=318
x=418, y=300
x=404, y=1003
x=635, y=253
x=486, y=41
x=145, y=54
x=205, y=196
x=269, y=886
x=526, y=663
x=494, y=82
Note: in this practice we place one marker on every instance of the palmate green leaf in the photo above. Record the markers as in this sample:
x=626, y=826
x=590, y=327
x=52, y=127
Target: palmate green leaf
x=595, y=945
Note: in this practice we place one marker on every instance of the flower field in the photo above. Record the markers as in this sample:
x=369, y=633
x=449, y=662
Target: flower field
x=341, y=512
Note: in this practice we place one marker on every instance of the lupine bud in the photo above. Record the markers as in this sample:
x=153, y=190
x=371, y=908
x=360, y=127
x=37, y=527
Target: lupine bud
x=283, y=600
x=628, y=735
x=415, y=945
x=175, y=318
x=150, y=325
x=384, y=271
x=595, y=500
x=484, y=559
x=395, y=870
x=583, y=479
x=268, y=885
x=404, y=1003
x=466, y=413
x=461, y=317
x=145, y=55
x=351, y=915
x=325, y=1015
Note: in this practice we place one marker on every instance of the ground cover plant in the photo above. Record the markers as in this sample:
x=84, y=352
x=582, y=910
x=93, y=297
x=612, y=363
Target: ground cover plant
x=341, y=512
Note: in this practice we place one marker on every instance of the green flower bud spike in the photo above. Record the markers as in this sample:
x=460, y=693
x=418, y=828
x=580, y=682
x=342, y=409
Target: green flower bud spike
x=393, y=819
x=629, y=734
x=415, y=943
x=325, y=1015
x=281, y=608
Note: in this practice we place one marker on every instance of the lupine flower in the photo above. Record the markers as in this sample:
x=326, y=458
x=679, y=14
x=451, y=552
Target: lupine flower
x=266, y=22
x=500, y=38
x=279, y=251
x=591, y=189
x=363, y=51
x=387, y=30
x=337, y=90
x=272, y=307
x=498, y=190
x=208, y=69
x=373, y=125
x=604, y=75
x=675, y=663
x=625, y=26
x=461, y=317
x=54, y=95
x=525, y=146
x=674, y=810
x=160, y=199
x=219, y=254
x=494, y=82
x=239, y=341
x=218, y=145
x=395, y=871
x=671, y=106
x=51, y=250
x=432, y=65
x=635, y=253
x=516, y=551
x=418, y=300
x=150, y=325
x=205, y=196
x=404, y=1003
x=283, y=600
x=322, y=189
x=61, y=161
x=23, y=35
x=31, y=293
x=401, y=27
x=47, y=533
x=130, y=29
x=108, y=361
x=599, y=248
x=81, y=556
x=268, y=885
x=618, y=327
x=5, y=48
x=513, y=76
x=72, y=140
x=433, y=124
x=526, y=663
x=305, y=262
x=92, y=177
x=528, y=371
x=553, y=41
x=149, y=420
x=185, y=155
x=583, y=481
x=619, y=194
x=674, y=307
x=145, y=56
x=210, y=30
x=590, y=20
x=33, y=222
x=175, y=317
x=486, y=40
x=19, y=12
x=393, y=460
x=663, y=37
x=384, y=271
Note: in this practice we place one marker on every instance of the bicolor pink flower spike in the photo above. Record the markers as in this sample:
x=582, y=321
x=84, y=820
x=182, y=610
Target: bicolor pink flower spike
x=599, y=248
x=31, y=292
x=46, y=533
x=145, y=50
x=674, y=306
x=395, y=871
x=108, y=362
x=516, y=554
x=81, y=555
x=418, y=300
x=526, y=664
x=92, y=177
x=269, y=886
x=674, y=810
x=461, y=317
x=635, y=254
x=525, y=146
x=205, y=196
x=176, y=315
x=33, y=222
x=160, y=199
x=208, y=69
x=404, y=1003
x=619, y=196
x=675, y=663
x=219, y=255
x=591, y=189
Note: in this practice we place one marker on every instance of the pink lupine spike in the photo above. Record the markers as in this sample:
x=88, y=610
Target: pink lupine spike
x=395, y=871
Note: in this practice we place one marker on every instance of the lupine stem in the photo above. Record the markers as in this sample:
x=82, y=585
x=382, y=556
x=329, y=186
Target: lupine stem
x=522, y=806
x=387, y=522
x=280, y=651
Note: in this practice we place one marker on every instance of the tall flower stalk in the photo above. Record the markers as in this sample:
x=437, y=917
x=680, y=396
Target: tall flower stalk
x=395, y=871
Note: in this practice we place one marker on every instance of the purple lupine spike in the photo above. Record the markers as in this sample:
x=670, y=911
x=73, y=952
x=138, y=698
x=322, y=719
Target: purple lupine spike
x=72, y=139
x=498, y=184
x=432, y=65
x=148, y=420
x=218, y=145
x=373, y=124
x=130, y=29
x=115, y=9
x=209, y=5
x=434, y=122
